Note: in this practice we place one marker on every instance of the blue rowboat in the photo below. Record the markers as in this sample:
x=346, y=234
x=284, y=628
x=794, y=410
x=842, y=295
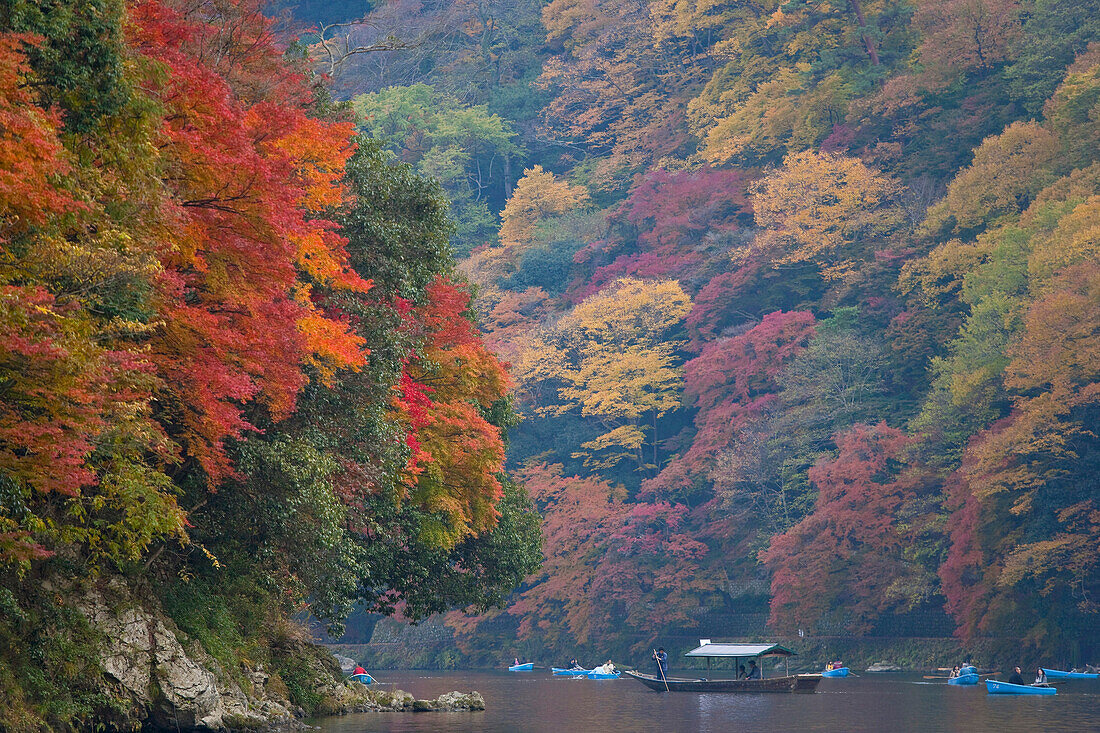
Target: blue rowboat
x=1057, y=674
x=838, y=672
x=968, y=669
x=366, y=679
x=525, y=667
x=562, y=672
x=1007, y=688
x=604, y=675
x=964, y=679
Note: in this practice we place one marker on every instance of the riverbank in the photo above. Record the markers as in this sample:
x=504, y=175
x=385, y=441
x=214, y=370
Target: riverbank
x=113, y=654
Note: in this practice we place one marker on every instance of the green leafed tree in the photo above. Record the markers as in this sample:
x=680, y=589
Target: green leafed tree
x=469, y=150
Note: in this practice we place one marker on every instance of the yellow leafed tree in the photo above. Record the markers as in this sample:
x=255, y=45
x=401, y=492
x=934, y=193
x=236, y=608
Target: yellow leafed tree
x=613, y=358
x=539, y=195
x=825, y=208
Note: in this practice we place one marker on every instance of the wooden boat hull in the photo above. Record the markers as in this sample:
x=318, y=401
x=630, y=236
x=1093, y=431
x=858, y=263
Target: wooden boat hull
x=841, y=672
x=562, y=672
x=795, y=683
x=525, y=667
x=1007, y=688
x=964, y=679
x=1057, y=674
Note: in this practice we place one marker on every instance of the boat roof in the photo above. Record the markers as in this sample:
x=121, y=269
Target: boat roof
x=740, y=650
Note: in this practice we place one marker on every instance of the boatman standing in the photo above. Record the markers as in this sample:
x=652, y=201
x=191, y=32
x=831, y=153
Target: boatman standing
x=662, y=662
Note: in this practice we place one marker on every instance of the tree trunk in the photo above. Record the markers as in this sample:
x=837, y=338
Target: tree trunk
x=656, y=466
x=863, y=30
x=507, y=176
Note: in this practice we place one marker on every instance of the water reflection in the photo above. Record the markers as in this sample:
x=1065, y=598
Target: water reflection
x=750, y=712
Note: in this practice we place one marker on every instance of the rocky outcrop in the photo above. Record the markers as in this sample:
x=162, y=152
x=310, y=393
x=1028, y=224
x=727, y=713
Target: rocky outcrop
x=170, y=687
x=166, y=682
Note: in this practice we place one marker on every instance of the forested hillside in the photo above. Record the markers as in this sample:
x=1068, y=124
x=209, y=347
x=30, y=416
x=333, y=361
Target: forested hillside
x=801, y=301
x=763, y=306
x=238, y=372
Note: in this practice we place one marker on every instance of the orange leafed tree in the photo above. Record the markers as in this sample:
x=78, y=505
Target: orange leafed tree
x=251, y=175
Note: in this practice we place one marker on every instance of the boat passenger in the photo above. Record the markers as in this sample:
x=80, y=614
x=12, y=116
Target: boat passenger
x=1015, y=678
x=954, y=672
x=754, y=671
x=741, y=673
x=662, y=662
x=1040, y=676
x=516, y=662
x=573, y=664
x=359, y=670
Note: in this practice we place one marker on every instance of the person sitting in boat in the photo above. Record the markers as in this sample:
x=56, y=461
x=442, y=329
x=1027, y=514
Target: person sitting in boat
x=516, y=662
x=662, y=662
x=1040, y=676
x=606, y=668
x=741, y=673
x=574, y=664
x=754, y=671
x=1016, y=677
x=359, y=670
x=954, y=672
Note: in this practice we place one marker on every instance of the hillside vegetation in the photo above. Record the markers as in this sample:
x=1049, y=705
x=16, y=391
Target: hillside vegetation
x=800, y=299
x=238, y=372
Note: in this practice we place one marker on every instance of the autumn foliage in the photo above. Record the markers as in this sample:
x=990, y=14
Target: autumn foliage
x=800, y=303
x=876, y=409
x=176, y=277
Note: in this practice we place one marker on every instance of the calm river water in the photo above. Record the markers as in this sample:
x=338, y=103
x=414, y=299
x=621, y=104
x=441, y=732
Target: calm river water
x=536, y=702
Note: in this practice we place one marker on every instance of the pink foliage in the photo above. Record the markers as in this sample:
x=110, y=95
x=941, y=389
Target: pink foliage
x=732, y=380
x=849, y=550
x=667, y=228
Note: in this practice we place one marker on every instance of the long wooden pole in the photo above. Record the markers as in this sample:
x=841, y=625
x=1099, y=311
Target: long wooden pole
x=661, y=670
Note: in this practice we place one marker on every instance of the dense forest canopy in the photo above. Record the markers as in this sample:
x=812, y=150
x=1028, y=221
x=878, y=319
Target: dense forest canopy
x=238, y=370
x=759, y=303
x=798, y=297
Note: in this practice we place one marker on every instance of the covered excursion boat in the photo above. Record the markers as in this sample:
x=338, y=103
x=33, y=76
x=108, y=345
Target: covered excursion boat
x=736, y=652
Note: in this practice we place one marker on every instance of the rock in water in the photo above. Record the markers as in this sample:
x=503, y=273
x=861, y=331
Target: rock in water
x=460, y=701
x=384, y=701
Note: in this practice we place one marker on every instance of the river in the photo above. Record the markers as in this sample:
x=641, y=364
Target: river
x=874, y=703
